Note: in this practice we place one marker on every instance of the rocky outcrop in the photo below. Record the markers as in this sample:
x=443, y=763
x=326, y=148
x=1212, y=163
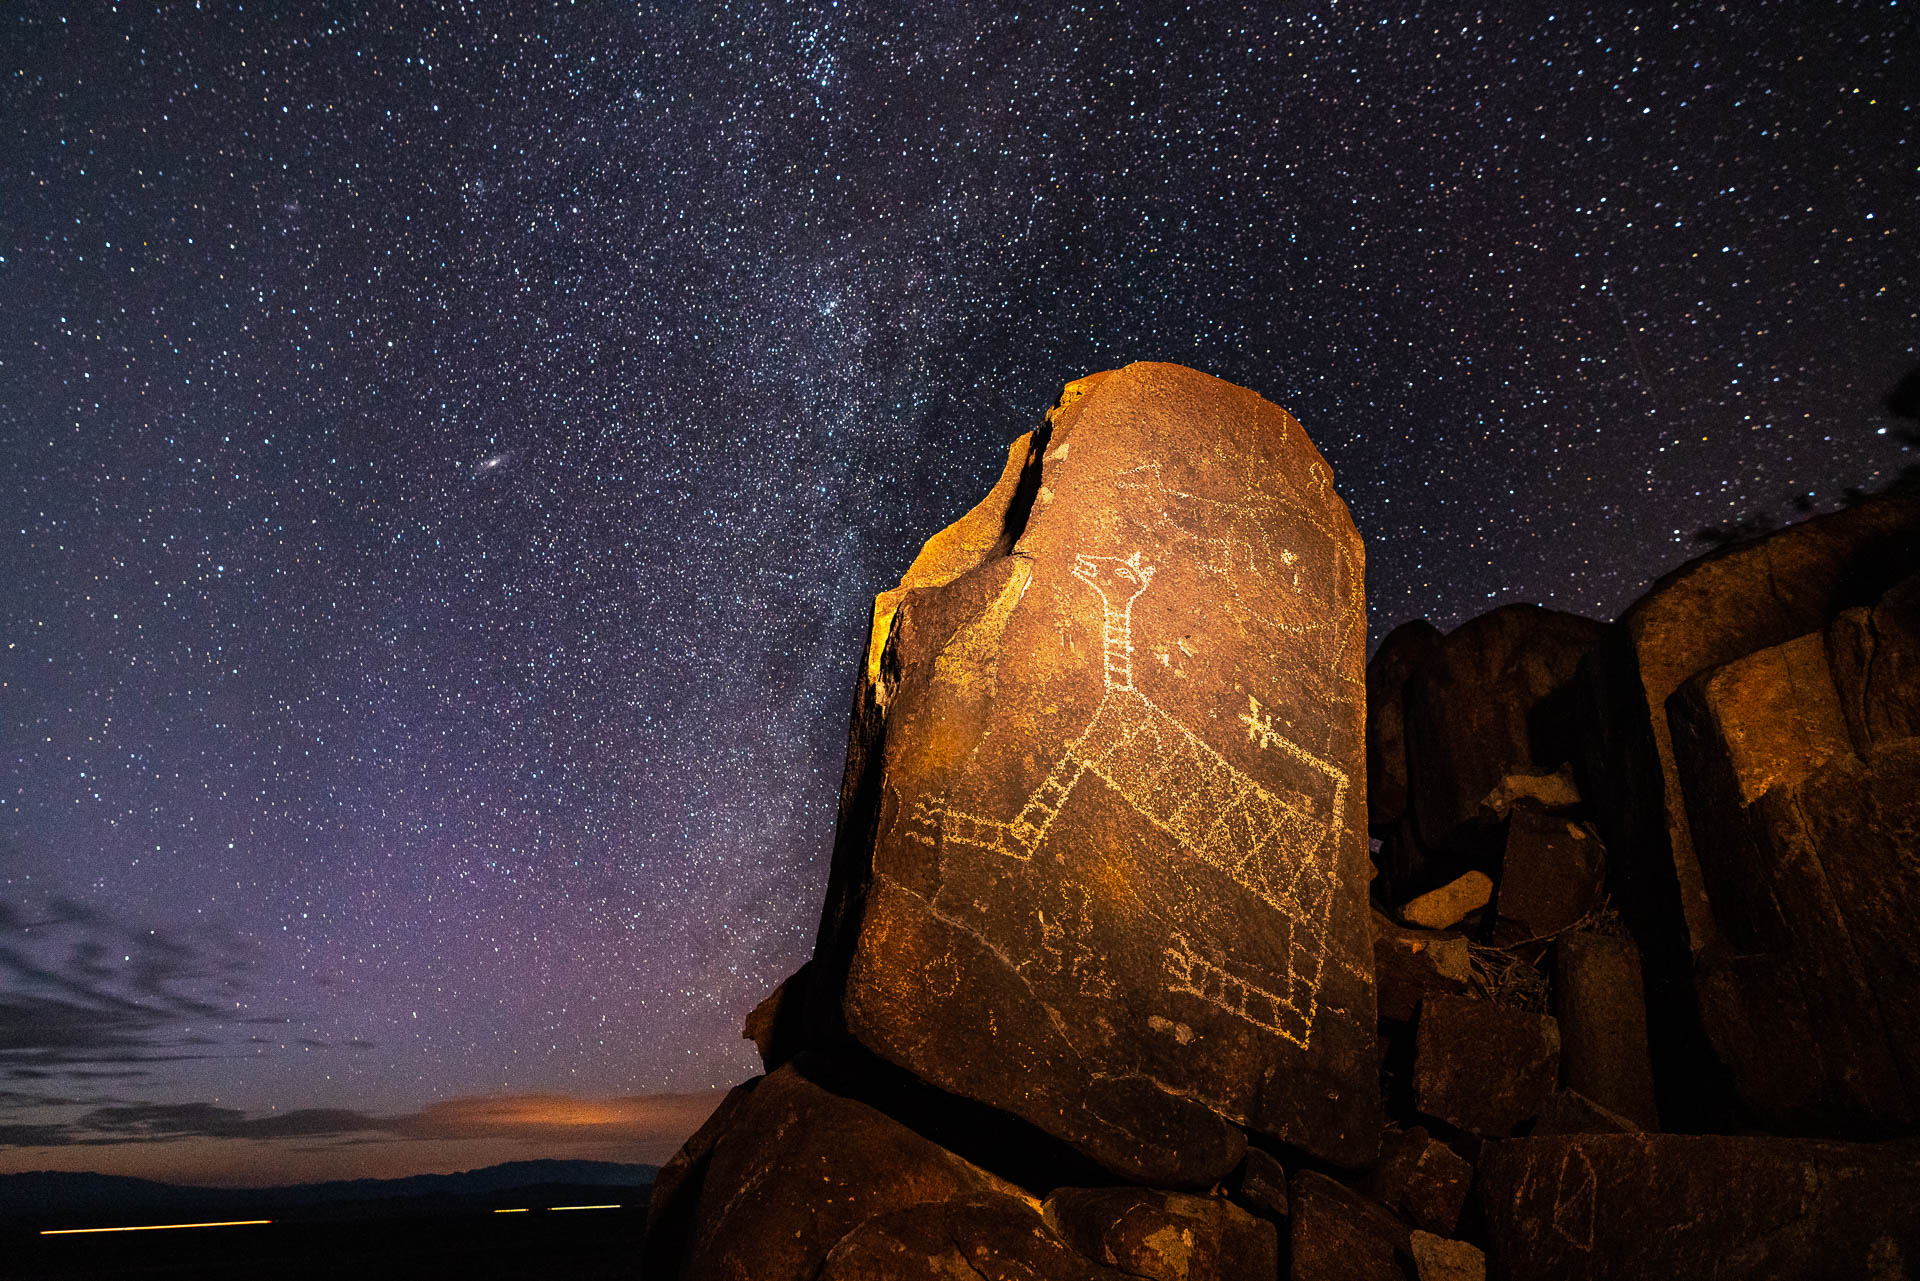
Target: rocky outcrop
x=1552, y=876
x=1164, y=1236
x=1099, y=990
x=1875, y=656
x=982, y=1237
x=1421, y=1179
x=1713, y=993
x=793, y=1168
x=1102, y=856
x=1487, y=718
x=1598, y=999
x=1405, y=650
x=1339, y=1234
x=1484, y=1067
x=1574, y=1207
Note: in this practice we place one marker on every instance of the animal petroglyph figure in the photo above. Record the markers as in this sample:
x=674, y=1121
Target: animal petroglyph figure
x=1267, y=838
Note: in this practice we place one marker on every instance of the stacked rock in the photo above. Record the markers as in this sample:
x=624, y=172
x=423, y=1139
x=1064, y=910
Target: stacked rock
x=1107, y=986
x=1665, y=870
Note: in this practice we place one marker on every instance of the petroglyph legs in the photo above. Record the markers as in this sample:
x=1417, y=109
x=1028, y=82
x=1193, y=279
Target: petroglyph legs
x=1268, y=839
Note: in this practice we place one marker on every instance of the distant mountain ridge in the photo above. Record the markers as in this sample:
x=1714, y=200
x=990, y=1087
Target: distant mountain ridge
x=45, y=1192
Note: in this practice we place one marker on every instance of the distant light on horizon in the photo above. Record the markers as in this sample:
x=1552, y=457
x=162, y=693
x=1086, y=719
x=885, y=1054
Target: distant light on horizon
x=154, y=1227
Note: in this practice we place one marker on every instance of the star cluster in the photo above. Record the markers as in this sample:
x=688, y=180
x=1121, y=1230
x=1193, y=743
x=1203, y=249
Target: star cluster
x=447, y=451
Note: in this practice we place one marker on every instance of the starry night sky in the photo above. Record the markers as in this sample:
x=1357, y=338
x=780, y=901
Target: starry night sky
x=446, y=457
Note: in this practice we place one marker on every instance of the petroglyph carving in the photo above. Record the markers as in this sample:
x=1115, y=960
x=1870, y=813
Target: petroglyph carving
x=1230, y=539
x=1268, y=839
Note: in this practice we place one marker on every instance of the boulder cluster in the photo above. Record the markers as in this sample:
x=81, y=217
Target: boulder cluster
x=1167, y=937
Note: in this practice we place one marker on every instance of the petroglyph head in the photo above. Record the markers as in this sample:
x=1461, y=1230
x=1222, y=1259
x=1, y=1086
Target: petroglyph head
x=1118, y=581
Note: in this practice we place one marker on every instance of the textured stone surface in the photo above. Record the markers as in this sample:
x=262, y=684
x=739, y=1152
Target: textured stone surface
x=1406, y=867
x=1796, y=1011
x=1483, y=1067
x=1410, y=964
x=1164, y=1236
x=1707, y=613
x=1421, y=1179
x=1399, y=656
x=1435, y=1258
x=797, y=1167
x=1337, y=1234
x=1447, y=906
x=1261, y=1185
x=1841, y=849
x=1102, y=853
x=1492, y=703
x=1550, y=791
x=1551, y=876
x=1598, y=999
x=983, y=1237
x=1571, y=1112
x=777, y=1025
x=1875, y=656
x=1630, y=1206
x=675, y=1197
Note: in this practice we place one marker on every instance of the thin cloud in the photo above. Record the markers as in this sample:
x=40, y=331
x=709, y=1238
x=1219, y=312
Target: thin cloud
x=83, y=994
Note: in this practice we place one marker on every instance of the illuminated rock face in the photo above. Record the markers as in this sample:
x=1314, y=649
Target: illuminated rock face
x=1102, y=857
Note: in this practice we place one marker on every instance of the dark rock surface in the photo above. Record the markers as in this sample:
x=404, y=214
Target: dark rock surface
x=1483, y=1067
x=1709, y=612
x=677, y=1190
x=1338, y=1234
x=1841, y=848
x=796, y=1167
x=1261, y=1185
x=1399, y=656
x=1493, y=703
x=1164, y=1236
x=1571, y=1112
x=1551, y=877
x=1100, y=911
x=1102, y=857
x=1795, y=1015
x=1738, y=730
x=1438, y=1258
x=1629, y=1206
x=982, y=1237
x=1410, y=964
x=777, y=1026
x=1599, y=1000
x=1875, y=656
x=1421, y=1179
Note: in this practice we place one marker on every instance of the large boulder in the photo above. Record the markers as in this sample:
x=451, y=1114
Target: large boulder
x=1484, y=1067
x=1797, y=1021
x=1102, y=858
x=1338, y=1234
x=1551, y=878
x=1598, y=999
x=1709, y=612
x=1841, y=849
x=1875, y=653
x=1165, y=1236
x=1399, y=656
x=1596, y=1207
x=1412, y=964
x=1487, y=719
x=790, y=1169
x=1421, y=1179
x=984, y=1237
x=675, y=1197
